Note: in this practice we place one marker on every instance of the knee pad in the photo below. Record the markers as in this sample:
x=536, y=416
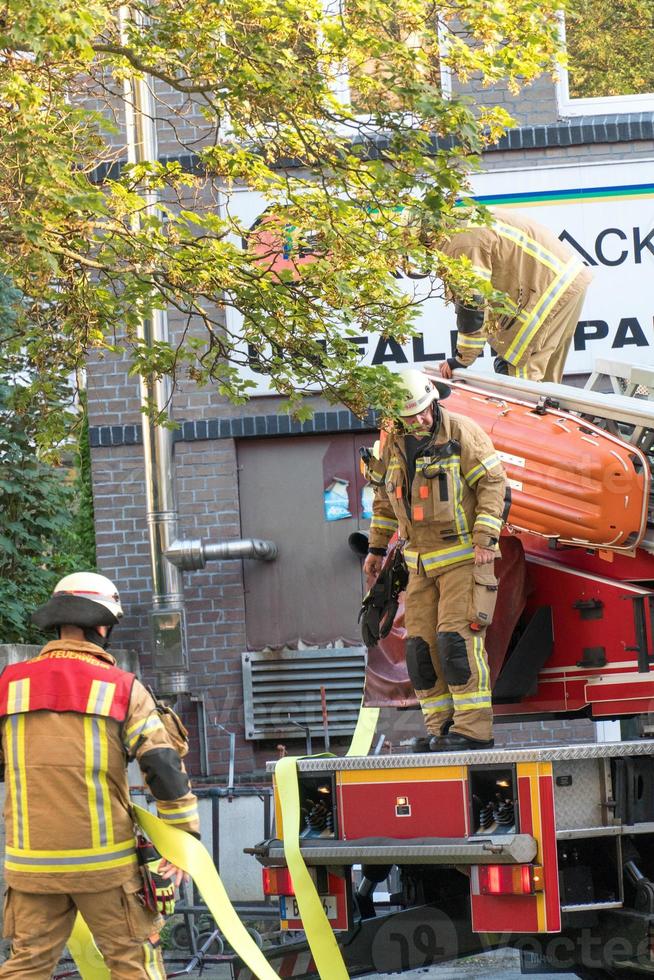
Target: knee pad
x=419, y=663
x=454, y=654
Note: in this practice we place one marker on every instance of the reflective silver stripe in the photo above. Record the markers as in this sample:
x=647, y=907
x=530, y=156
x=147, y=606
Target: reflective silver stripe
x=516, y=349
x=446, y=556
x=179, y=815
x=530, y=246
x=471, y=340
x=477, y=471
x=482, y=667
x=384, y=523
x=18, y=696
x=100, y=697
x=42, y=862
x=437, y=704
x=101, y=801
x=491, y=522
x=17, y=753
x=132, y=735
x=151, y=961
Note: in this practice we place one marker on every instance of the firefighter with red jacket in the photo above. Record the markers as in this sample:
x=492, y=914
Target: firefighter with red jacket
x=70, y=721
x=439, y=484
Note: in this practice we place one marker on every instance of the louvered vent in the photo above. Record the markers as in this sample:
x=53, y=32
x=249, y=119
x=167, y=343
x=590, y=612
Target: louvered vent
x=286, y=685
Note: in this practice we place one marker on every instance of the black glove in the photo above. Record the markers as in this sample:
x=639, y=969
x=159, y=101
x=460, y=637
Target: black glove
x=379, y=606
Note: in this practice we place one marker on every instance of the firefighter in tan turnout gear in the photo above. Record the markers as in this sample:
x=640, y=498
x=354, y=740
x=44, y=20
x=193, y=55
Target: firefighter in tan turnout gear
x=71, y=719
x=440, y=485
x=545, y=282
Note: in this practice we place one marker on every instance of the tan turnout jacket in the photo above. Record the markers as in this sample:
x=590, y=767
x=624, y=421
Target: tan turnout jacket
x=70, y=722
x=528, y=263
x=454, y=502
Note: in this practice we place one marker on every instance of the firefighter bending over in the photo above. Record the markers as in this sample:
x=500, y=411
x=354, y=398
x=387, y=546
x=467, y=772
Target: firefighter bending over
x=440, y=485
x=71, y=719
x=545, y=283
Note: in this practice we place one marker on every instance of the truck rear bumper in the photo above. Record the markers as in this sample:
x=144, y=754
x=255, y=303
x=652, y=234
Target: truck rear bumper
x=492, y=849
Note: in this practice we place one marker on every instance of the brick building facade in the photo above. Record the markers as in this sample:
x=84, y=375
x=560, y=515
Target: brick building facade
x=209, y=445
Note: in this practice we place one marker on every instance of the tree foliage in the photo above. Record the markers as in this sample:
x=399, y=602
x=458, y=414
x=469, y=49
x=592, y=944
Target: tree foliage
x=333, y=111
x=43, y=506
x=610, y=48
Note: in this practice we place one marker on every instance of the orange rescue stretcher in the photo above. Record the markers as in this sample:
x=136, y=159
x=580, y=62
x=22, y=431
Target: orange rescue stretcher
x=570, y=480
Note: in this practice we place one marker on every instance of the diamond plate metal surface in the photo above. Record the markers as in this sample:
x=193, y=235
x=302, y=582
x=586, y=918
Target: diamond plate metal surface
x=494, y=849
x=580, y=804
x=552, y=753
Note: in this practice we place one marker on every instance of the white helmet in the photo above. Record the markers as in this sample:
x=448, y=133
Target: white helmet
x=421, y=392
x=82, y=599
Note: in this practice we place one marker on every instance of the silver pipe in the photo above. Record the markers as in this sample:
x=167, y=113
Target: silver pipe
x=191, y=554
x=169, y=635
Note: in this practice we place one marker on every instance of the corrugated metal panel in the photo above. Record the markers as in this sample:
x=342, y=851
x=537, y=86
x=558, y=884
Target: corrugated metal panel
x=285, y=685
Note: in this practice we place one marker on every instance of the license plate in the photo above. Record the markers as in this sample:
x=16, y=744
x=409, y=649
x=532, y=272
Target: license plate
x=288, y=907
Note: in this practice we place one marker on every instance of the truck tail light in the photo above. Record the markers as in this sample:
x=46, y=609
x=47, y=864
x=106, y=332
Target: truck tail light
x=277, y=881
x=507, y=879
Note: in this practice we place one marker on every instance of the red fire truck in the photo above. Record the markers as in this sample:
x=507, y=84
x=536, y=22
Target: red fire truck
x=423, y=858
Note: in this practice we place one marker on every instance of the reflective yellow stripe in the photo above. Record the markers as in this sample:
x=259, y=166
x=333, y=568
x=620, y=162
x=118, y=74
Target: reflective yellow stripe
x=482, y=272
x=519, y=372
x=471, y=702
x=106, y=820
x=84, y=859
x=151, y=962
x=13, y=778
x=478, y=471
x=541, y=311
x=473, y=341
x=96, y=762
x=18, y=696
x=383, y=523
x=530, y=246
x=437, y=704
x=15, y=762
x=180, y=816
x=460, y=518
x=446, y=556
x=485, y=520
x=482, y=667
x=132, y=734
x=100, y=698
x=89, y=778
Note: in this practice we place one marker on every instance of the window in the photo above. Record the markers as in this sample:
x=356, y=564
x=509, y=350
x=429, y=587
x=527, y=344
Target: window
x=610, y=65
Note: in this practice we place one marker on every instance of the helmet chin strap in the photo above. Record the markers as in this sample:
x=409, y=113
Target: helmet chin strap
x=91, y=635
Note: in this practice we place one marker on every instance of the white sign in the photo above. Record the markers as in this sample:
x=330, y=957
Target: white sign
x=605, y=212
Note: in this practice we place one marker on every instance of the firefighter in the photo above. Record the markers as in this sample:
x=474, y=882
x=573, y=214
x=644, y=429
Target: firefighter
x=71, y=720
x=545, y=283
x=440, y=485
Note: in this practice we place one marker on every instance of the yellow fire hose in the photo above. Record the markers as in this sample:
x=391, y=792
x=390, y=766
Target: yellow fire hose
x=320, y=935
x=184, y=851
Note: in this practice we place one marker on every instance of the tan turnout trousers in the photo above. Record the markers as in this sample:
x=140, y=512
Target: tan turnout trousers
x=39, y=926
x=546, y=363
x=446, y=659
